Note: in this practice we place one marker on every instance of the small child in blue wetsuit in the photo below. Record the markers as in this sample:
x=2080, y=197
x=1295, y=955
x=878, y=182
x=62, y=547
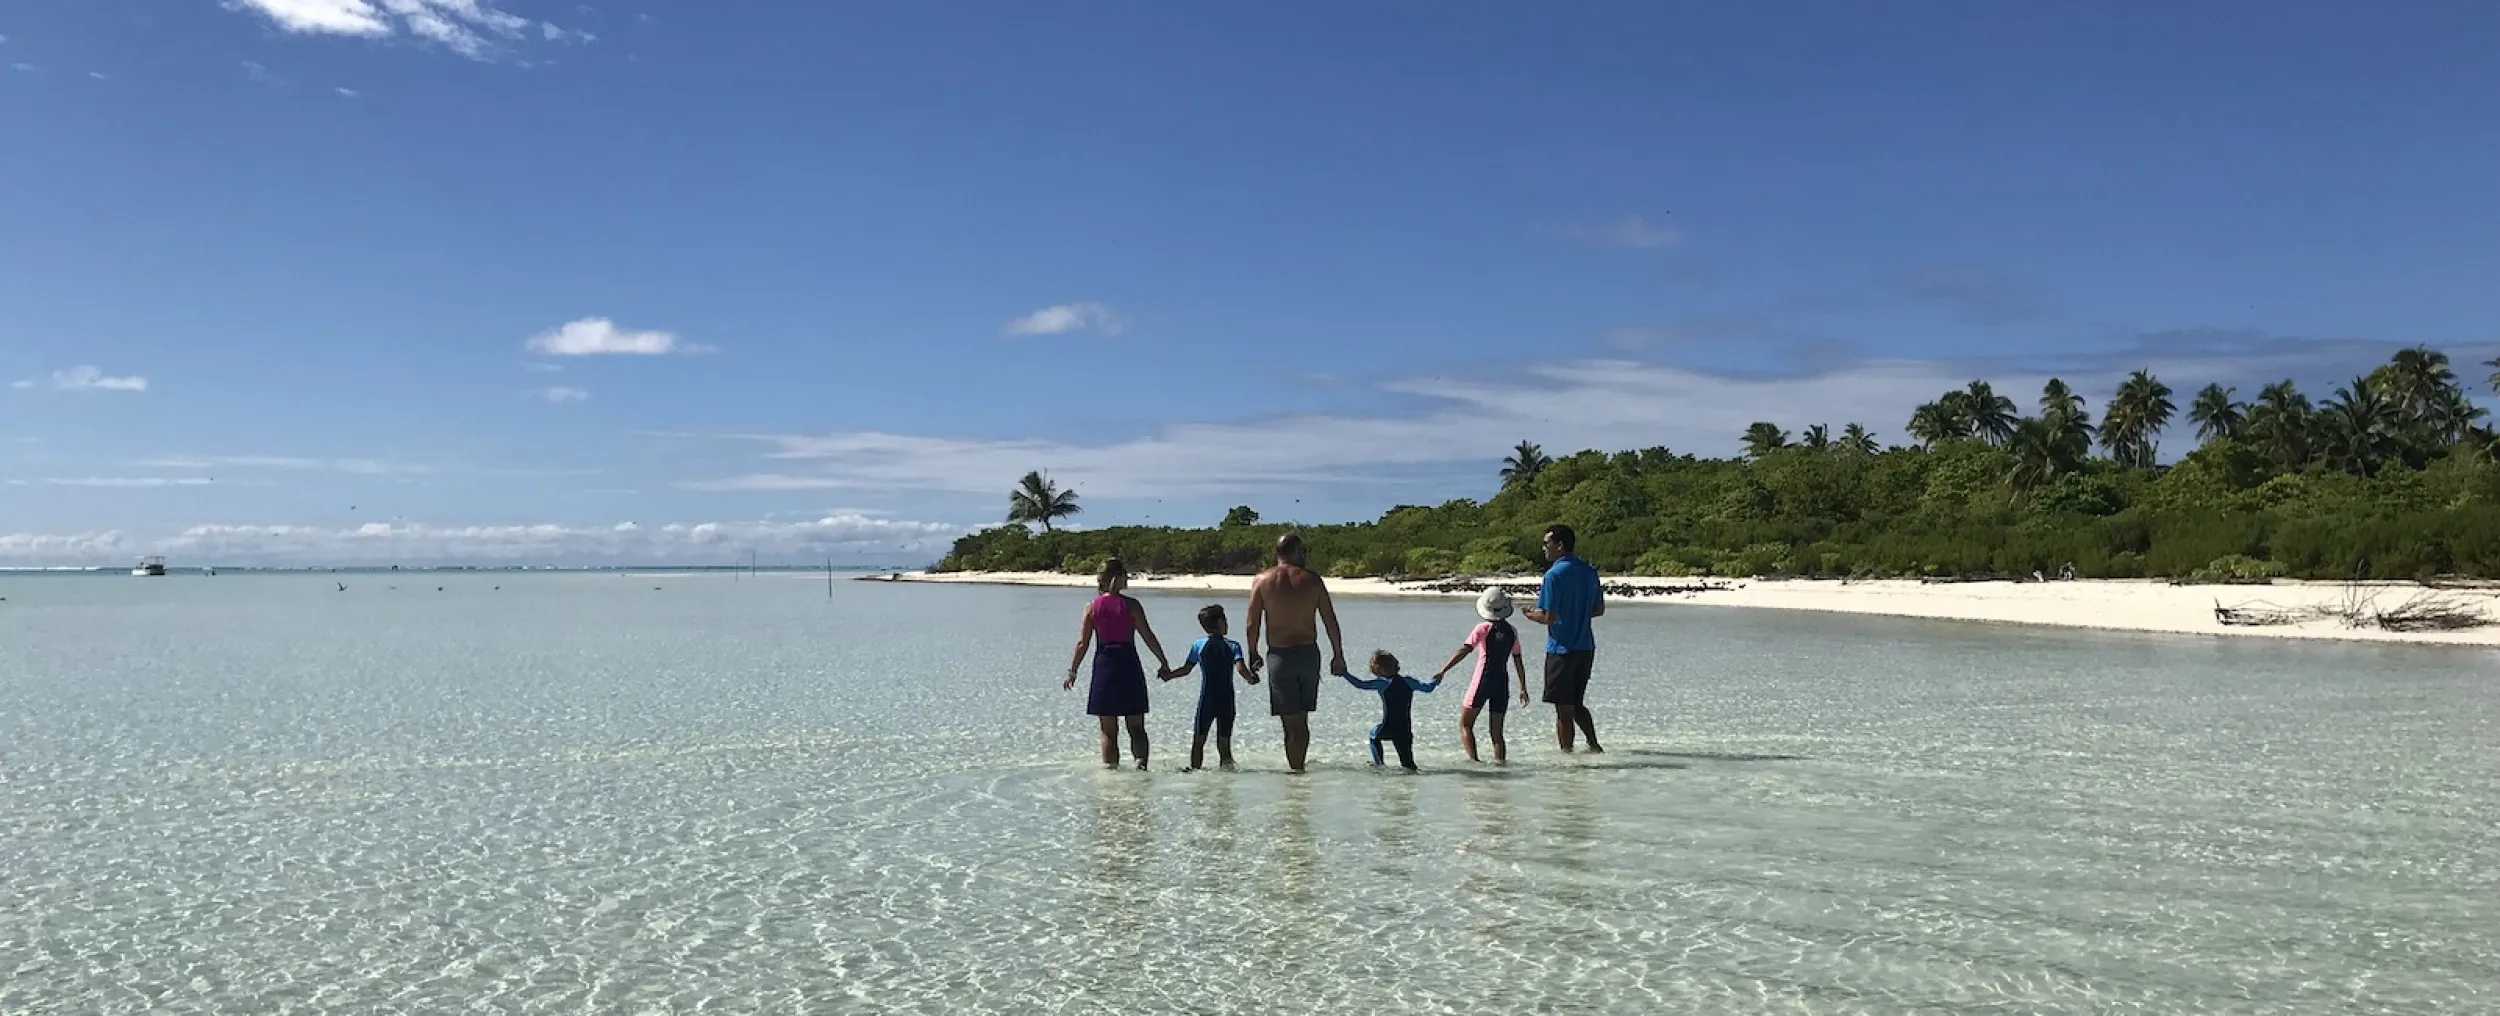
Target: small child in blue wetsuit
x=1397, y=706
x=1222, y=658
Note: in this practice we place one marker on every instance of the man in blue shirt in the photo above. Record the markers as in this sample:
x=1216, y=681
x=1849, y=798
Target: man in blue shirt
x=1565, y=604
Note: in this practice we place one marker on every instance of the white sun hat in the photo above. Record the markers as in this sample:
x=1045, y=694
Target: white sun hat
x=1494, y=605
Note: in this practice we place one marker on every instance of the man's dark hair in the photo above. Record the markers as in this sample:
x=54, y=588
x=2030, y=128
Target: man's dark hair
x=1562, y=534
x=1210, y=616
x=1289, y=548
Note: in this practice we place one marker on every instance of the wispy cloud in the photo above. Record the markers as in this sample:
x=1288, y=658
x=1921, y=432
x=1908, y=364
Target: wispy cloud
x=117, y=481
x=26, y=68
x=1630, y=231
x=289, y=463
x=477, y=29
x=598, y=336
x=560, y=395
x=1983, y=297
x=348, y=92
x=1463, y=423
x=854, y=538
x=98, y=75
x=89, y=379
x=254, y=70
x=1068, y=317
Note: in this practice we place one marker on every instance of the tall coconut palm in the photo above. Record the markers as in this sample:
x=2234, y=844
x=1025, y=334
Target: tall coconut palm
x=2043, y=451
x=1523, y=465
x=2137, y=413
x=2280, y=424
x=1817, y=437
x=1037, y=499
x=1991, y=415
x=1942, y=420
x=2450, y=417
x=2361, y=427
x=2418, y=377
x=2215, y=415
x=1855, y=440
x=1763, y=438
x=2062, y=410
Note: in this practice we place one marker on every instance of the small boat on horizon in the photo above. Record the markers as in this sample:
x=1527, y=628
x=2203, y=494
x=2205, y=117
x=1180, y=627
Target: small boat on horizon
x=149, y=566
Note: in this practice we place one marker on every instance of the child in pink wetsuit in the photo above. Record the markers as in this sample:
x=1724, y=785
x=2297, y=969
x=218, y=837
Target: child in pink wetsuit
x=1496, y=645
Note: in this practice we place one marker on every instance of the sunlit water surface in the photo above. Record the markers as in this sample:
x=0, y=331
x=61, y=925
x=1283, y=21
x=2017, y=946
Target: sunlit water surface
x=605, y=793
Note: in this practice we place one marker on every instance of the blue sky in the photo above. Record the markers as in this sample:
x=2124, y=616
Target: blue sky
x=291, y=281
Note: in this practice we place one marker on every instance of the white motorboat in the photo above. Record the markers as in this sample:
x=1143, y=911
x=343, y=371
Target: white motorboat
x=149, y=566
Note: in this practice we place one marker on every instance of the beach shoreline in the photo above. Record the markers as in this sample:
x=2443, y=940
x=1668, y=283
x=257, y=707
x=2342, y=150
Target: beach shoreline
x=2135, y=605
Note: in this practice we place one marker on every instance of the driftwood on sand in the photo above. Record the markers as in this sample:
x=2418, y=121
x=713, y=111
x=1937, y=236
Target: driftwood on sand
x=2426, y=610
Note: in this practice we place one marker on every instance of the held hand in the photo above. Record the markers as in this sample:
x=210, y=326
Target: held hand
x=1336, y=662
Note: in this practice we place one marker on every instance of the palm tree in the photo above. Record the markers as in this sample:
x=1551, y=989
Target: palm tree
x=1817, y=437
x=2043, y=451
x=2280, y=423
x=2451, y=418
x=2138, y=412
x=2215, y=415
x=1991, y=415
x=1037, y=499
x=1523, y=465
x=1855, y=440
x=1764, y=438
x=2417, y=377
x=1941, y=420
x=2361, y=427
x=2062, y=410
x=2494, y=379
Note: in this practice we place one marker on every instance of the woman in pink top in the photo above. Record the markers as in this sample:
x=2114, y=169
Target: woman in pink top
x=1119, y=689
x=1496, y=645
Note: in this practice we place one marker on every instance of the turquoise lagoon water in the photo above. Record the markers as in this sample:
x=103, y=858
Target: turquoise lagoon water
x=673, y=793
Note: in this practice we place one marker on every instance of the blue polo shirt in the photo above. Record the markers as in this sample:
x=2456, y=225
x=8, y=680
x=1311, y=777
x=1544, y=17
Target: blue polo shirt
x=1570, y=593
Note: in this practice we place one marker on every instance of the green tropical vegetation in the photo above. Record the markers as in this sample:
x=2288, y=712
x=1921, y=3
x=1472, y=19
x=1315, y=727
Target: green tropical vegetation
x=2392, y=475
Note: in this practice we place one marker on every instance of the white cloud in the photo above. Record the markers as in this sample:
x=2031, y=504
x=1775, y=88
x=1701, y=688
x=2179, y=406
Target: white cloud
x=596, y=336
x=90, y=379
x=561, y=395
x=256, y=72
x=1591, y=404
x=21, y=385
x=1068, y=317
x=26, y=68
x=348, y=92
x=842, y=537
x=471, y=28
x=98, y=75
x=125, y=481
x=352, y=466
x=1630, y=231
x=556, y=33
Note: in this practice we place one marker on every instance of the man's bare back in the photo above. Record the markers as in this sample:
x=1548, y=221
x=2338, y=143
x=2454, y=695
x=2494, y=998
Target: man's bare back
x=1290, y=602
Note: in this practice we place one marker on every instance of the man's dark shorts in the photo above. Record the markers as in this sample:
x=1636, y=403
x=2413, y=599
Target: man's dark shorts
x=1293, y=679
x=1567, y=676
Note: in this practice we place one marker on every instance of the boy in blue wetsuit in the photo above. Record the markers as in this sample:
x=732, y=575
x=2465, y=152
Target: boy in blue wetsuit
x=1397, y=706
x=1222, y=658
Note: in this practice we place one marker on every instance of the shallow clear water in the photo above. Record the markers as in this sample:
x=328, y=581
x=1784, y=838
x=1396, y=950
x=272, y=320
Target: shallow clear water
x=581, y=793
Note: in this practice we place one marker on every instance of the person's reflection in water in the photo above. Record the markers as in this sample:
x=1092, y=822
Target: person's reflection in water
x=1214, y=836
x=1286, y=900
x=1489, y=852
x=1123, y=838
x=1394, y=854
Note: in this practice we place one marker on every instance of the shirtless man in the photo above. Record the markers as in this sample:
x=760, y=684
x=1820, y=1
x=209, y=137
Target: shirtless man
x=1291, y=603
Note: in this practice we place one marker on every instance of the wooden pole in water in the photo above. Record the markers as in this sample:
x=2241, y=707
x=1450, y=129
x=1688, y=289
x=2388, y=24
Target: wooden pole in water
x=828, y=578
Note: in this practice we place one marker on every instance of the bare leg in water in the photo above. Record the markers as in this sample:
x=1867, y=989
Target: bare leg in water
x=1588, y=729
x=1110, y=741
x=1297, y=739
x=1137, y=741
x=1501, y=751
x=1564, y=719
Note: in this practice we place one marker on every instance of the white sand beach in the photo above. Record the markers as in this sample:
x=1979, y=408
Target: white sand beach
x=2121, y=605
